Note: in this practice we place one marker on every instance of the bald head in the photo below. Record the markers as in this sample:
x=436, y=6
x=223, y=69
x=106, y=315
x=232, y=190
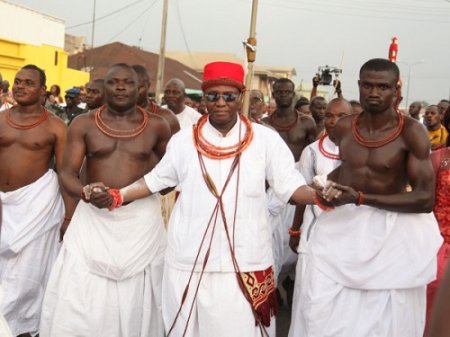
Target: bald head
x=174, y=93
x=344, y=105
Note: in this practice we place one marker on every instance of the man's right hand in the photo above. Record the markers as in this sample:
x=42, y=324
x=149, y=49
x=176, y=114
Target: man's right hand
x=316, y=80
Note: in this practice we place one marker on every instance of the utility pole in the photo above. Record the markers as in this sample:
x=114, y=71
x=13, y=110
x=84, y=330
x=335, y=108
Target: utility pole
x=162, y=53
x=93, y=25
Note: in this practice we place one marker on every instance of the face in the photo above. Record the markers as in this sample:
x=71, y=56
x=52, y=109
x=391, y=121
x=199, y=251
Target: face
x=414, y=109
x=432, y=117
x=283, y=93
x=334, y=111
x=443, y=107
x=121, y=88
x=257, y=105
x=174, y=96
x=143, y=86
x=223, y=115
x=94, y=95
x=27, y=89
x=377, y=90
x=318, y=107
x=72, y=100
x=304, y=109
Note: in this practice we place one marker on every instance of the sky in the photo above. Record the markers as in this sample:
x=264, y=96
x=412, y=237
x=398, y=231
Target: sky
x=302, y=34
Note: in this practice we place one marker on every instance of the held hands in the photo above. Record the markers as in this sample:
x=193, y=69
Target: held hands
x=97, y=194
x=334, y=194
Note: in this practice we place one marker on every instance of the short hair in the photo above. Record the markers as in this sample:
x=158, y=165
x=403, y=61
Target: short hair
x=42, y=77
x=121, y=65
x=432, y=106
x=317, y=98
x=283, y=80
x=301, y=102
x=343, y=100
x=100, y=81
x=354, y=102
x=380, y=64
x=141, y=71
x=178, y=82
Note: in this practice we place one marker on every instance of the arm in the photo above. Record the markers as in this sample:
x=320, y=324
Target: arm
x=70, y=203
x=74, y=153
x=311, y=130
x=315, y=81
x=296, y=225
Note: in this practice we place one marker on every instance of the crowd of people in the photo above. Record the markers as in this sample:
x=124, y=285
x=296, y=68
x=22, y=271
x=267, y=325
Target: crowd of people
x=120, y=217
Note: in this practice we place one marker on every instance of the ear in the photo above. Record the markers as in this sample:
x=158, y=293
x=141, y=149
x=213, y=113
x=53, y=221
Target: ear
x=359, y=83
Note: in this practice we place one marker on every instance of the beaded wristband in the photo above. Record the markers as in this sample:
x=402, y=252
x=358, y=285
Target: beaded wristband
x=360, y=198
x=319, y=204
x=67, y=218
x=295, y=233
x=117, y=198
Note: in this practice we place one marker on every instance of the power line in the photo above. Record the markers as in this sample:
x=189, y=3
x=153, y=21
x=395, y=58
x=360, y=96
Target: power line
x=134, y=20
x=106, y=15
x=183, y=34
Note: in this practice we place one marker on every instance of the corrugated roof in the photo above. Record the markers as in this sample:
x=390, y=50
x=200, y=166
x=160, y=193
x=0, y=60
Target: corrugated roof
x=100, y=59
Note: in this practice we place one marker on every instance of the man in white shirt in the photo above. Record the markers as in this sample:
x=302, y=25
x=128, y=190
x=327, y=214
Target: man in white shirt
x=174, y=95
x=218, y=280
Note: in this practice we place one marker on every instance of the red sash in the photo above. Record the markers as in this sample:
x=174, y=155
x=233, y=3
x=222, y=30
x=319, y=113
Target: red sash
x=260, y=286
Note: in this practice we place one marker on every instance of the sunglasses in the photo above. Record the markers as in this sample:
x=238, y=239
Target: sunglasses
x=227, y=97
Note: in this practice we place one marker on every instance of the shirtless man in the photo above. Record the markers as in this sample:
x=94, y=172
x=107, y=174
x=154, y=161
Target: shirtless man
x=297, y=131
x=33, y=209
x=317, y=107
x=144, y=102
x=376, y=250
x=95, y=96
x=114, y=259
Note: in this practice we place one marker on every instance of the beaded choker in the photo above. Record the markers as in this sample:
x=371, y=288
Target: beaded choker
x=18, y=126
x=218, y=152
x=116, y=133
x=381, y=142
x=325, y=152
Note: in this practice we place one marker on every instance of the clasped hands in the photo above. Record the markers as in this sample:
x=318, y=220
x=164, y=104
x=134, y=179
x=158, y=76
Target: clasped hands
x=331, y=194
x=97, y=194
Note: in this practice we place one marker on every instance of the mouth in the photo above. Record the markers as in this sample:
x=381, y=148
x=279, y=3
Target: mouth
x=121, y=97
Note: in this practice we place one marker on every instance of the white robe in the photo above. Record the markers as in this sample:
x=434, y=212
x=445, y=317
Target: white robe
x=4, y=328
x=29, y=246
x=366, y=273
x=107, y=279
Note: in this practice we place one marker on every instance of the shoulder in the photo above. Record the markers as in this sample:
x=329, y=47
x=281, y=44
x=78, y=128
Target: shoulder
x=415, y=137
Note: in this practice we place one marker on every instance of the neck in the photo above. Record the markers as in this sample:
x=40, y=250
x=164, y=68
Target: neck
x=284, y=111
x=434, y=127
x=35, y=108
x=378, y=119
x=224, y=129
x=177, y=110
x=121, y=112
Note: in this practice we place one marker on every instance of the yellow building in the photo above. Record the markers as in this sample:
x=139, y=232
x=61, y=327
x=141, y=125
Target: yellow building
x=35, y=38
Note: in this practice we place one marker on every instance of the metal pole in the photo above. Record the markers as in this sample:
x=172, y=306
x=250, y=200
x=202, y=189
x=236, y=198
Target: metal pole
x=93, y=25
x=407, y=88
x=251, y=56
x=162, y=53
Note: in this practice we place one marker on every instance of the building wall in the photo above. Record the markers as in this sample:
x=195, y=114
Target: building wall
x=53, y=60
x=27, y=26
x=30, y=37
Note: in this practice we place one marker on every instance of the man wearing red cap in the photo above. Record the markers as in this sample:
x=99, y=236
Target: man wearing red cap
x=218, y=279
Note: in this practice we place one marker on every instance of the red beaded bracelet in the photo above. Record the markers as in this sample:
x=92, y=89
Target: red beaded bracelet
x=117, y=198
x=360, y=198
x=319, y=204
x=66, y=218
x=296, y=233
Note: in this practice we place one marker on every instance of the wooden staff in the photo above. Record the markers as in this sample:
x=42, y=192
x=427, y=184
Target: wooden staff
x=250, y=47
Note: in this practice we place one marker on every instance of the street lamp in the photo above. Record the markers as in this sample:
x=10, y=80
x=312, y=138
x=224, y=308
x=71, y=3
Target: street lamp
x=409, y=65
